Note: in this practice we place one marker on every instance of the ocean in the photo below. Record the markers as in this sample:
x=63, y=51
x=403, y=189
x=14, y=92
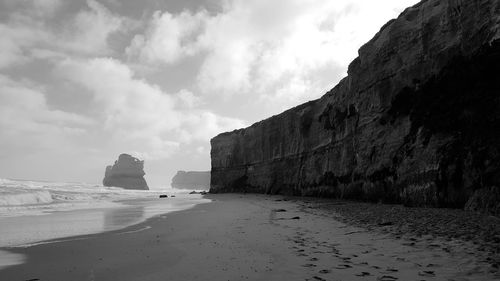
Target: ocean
x=35, y=212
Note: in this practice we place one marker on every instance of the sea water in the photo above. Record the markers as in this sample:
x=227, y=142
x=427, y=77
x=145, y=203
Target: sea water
x=34, y=212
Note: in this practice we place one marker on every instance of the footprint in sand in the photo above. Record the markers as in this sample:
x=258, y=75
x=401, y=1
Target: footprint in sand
x=389, y=269
x=387, y=278
x=324, y=271
x=426, y=273
x=343, y=266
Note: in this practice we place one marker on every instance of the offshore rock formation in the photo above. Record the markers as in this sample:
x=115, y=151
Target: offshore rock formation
x=417, y=120
x=127, y=172
x=191, y=180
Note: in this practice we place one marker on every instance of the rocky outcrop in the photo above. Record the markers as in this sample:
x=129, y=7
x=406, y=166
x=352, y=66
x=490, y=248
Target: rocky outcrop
x=127, y=172
x=191, y=180
x=417, y=120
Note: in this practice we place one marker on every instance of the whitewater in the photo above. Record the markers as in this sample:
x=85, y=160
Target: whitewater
x=27, y=197
x=35, y=212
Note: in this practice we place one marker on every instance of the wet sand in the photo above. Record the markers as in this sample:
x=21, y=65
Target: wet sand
x=258, y=237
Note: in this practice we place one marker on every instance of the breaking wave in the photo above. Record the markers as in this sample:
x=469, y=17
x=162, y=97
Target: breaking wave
x=23, y=197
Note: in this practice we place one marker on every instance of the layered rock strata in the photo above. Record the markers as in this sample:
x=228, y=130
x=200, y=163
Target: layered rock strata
x=127, y=172
x=417, y=120
x=191, y=180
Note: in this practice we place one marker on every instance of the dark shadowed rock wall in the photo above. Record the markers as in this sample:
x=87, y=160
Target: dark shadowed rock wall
x=191, y=180
x=417, y=120
x=127, y=172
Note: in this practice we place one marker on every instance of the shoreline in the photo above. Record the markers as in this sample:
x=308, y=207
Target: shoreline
x=251, y=237
x=21, y=230
x=127, y=228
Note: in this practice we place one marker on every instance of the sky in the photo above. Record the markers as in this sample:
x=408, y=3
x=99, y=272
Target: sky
x=84, y=81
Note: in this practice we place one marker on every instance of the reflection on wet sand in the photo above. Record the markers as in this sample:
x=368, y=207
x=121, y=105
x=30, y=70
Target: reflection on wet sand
x=8, y=259
x=118, y=218
x=26, y=231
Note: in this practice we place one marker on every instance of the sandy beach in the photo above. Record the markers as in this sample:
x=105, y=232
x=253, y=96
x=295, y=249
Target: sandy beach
x=258, y=237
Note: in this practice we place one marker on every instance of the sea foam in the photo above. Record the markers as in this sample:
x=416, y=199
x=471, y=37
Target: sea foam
x=22, y=197
x=18, y=197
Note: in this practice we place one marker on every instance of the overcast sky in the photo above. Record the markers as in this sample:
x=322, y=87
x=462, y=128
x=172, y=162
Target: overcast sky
x=83, y=81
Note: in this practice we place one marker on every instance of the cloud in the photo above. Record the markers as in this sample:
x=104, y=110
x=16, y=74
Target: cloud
x=34, y=8
x=26, y=37
x=187, y=100
x=28, y=123
x=139, y=115
x=90, y=29
x=266, y=48
x=46, y=7
x=16, y=42
x=168, y=37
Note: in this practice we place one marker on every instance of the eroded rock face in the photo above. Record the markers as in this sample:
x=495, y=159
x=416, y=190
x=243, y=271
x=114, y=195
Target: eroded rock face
x=417, y=120
x=127, y=172
x=191, y=180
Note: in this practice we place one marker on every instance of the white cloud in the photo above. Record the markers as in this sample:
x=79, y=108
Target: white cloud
x=187, y=100
x=123, y=102
x=139, y=115
x=168, y=38
x=25, y=37
x=28, y=123
x=204, y=125
x=266, y=48
x=90, y=29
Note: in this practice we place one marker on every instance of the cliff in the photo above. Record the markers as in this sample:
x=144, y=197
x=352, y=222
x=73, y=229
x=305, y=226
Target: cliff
x=417, y=120
x=191, y=180
x=127, y=172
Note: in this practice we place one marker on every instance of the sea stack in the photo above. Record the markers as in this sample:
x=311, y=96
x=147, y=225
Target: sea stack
x=416, y=121
x=127, y=172
x=191, y=180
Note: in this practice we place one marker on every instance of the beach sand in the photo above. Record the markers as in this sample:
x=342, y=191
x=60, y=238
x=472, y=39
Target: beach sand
x=259, y=237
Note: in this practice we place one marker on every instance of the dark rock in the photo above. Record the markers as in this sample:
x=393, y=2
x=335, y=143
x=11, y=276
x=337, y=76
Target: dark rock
x=199, y=192
x=416, y=121
x=191, y=180
x=485, y=200
x=127, y=172
x=164, y=196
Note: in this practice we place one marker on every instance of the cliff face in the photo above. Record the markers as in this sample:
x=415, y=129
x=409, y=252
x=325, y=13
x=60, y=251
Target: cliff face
x=417, y=120
x=191, y=180
x=127, y=172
